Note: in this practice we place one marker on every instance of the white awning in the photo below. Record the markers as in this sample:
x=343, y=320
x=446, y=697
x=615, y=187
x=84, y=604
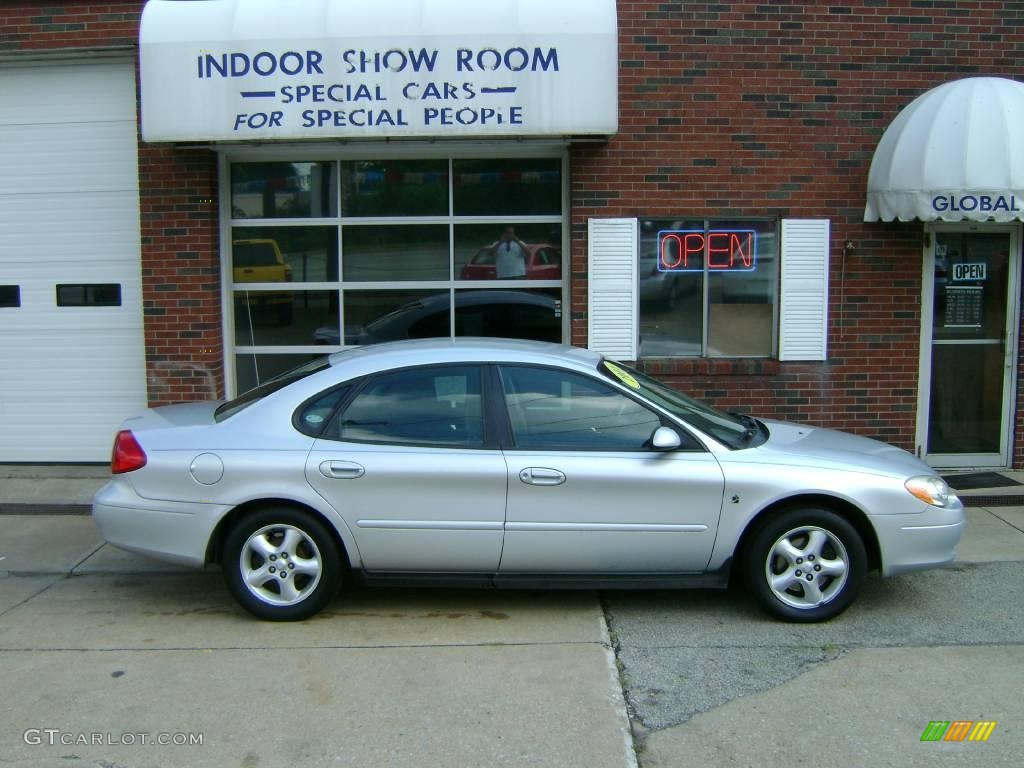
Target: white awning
x=252, y=70
x=954, y=153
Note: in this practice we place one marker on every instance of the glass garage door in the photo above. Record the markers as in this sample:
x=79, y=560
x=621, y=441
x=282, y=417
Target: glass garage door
x=324, y=254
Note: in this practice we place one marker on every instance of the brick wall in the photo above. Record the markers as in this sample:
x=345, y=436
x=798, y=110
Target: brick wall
x=726, y=109
x=754, y=109
x=178, y=194
x=181, y=278
x=37, y=25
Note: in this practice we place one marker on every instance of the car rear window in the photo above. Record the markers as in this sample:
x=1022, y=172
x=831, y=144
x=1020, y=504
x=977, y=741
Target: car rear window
x=254, y=255
x=244, y=400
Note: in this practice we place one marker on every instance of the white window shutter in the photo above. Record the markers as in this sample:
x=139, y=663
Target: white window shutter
x=612, y=287
x=803, y=310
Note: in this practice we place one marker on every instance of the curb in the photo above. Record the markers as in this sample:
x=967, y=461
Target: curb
x=15, y=508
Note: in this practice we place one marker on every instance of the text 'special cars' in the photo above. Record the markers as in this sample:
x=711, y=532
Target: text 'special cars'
x=506, y=463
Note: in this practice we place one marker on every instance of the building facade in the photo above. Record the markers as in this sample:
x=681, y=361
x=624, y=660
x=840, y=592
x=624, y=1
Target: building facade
x=768, y=205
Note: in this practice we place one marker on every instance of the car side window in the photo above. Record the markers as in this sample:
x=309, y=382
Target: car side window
x=438, y=405
x=559, y=410
x=315, y=415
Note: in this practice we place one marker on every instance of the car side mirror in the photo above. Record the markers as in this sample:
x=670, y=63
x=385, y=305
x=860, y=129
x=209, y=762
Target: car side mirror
x=665, y=439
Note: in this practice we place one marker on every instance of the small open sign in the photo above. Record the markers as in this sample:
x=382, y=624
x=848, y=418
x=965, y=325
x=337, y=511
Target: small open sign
x=977, y=271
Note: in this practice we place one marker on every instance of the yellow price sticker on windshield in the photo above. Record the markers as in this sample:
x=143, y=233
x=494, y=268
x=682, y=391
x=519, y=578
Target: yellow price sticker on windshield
x=624, y=376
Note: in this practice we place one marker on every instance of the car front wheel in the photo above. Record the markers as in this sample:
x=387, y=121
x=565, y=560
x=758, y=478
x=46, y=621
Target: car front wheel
x=806, y=565
x=281, y=564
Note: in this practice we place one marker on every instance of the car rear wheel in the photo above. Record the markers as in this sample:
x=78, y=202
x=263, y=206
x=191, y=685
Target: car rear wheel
x=806, y=565
x=281, y=564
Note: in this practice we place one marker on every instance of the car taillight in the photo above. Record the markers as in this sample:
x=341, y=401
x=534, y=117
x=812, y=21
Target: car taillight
x=127, y=455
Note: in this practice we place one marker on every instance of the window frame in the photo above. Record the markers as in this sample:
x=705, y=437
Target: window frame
x=709, y=223
x=497, y=150
x=93, y=295
x=10, y=296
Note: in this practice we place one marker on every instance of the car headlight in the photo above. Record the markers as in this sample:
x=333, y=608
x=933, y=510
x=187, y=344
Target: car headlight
x=931, y=490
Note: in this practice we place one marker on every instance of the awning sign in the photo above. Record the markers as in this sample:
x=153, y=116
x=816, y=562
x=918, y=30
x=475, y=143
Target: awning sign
x=970, y=203
x=229, y=70
x=952, y=154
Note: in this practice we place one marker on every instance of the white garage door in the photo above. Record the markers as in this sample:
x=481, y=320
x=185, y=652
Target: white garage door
x=71, y=342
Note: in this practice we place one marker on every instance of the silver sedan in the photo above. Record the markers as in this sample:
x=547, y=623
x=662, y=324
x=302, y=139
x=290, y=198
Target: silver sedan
x=499, y=463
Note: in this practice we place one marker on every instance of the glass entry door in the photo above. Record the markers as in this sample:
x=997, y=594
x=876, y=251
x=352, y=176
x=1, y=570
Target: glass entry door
x=969, y=346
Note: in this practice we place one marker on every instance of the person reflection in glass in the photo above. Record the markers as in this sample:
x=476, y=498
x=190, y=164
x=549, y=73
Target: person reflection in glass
x=509, y=256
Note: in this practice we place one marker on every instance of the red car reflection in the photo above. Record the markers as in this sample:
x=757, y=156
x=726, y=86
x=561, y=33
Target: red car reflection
x=543, y=262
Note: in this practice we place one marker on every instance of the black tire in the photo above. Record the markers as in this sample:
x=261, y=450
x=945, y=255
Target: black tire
x=819, y=562
x=282, y=564
x=284, y=314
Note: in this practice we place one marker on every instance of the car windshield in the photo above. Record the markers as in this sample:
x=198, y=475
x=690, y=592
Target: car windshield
x=244, y=400
x=732, y=430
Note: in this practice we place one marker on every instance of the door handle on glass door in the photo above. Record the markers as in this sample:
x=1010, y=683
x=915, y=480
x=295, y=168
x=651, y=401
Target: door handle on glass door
x=541, y=476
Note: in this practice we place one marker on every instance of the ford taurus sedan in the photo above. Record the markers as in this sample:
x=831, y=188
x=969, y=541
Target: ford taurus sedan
x=501, y=463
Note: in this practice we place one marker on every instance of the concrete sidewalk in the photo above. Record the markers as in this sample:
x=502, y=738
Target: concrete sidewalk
x=385, y=677
x=50, y=488
x=100, y=642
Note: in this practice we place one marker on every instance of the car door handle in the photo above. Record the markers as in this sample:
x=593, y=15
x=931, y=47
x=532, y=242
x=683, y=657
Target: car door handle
x=342, y=470
x=541, y=476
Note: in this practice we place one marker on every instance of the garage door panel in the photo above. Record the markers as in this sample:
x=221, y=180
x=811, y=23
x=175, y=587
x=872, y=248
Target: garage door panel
x=58, y=94
x=80, y=156
x=57, y=384
x=108, y=378
x=48, y=437
x=74, y=322
x=115, y=383
x=39, y=312
x=71, y=355
x=69, y=226
x=69, y=215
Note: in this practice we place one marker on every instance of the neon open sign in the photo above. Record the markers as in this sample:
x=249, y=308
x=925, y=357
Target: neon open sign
x=726, y=250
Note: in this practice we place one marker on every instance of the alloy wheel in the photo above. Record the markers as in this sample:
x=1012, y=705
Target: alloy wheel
x=280, y=564
x=806, y=567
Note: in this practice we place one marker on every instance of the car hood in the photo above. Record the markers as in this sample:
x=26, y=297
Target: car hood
x=802, y=445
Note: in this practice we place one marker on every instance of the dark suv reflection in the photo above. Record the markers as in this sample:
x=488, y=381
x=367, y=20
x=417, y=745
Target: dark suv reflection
x=496, y=313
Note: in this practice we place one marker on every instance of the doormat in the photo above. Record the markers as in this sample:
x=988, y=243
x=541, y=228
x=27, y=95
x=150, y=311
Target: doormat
x=973, y=480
